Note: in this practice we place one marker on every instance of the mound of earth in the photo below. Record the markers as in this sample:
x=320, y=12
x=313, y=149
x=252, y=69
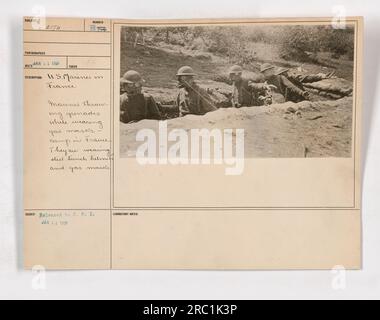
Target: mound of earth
x=288, y=130
x=334, y=88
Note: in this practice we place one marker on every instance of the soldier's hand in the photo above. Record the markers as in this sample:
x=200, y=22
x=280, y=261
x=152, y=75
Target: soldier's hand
x=265, y=100
x=268, y=101
x=272, y=87
x=306, y=95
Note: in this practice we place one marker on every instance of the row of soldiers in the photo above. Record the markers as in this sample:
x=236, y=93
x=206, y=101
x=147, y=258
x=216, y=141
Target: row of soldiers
x=192, y=99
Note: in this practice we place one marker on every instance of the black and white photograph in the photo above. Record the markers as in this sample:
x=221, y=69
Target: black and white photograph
x=290, y=87
x=189, y=157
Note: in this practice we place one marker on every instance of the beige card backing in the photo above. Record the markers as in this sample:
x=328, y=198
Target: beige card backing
x=111, y=213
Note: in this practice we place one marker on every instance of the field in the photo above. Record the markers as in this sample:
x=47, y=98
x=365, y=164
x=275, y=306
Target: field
x=319, y=128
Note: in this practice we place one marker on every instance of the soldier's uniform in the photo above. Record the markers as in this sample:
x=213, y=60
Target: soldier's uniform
x=135, y=105
x=191, y=98
x=298, y=77
x=290, y=90
x=304, y=78
x=246, y=91
x=138, y=107
x=194, y=100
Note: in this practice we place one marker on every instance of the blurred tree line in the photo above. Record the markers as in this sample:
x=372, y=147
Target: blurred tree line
x=296, y=43
x=301, y=42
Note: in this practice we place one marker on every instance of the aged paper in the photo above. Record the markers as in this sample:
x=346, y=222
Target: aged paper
x=198, y=144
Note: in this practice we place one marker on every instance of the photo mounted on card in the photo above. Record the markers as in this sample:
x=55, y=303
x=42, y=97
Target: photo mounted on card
x=193, y=144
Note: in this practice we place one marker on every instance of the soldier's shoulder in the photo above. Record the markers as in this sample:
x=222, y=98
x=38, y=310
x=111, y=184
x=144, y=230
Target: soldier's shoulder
x=280, y=77
x=202, y=89
x=147, y=96
x=245, y=81
x=254, y=77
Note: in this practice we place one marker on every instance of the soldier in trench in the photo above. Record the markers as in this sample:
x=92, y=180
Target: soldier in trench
x=249, y=91
x=134, y=104
x=191, y=98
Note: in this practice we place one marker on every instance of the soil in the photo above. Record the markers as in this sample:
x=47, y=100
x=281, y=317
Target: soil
x=288, y=130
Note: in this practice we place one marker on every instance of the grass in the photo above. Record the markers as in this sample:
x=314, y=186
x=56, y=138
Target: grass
x=159, y=66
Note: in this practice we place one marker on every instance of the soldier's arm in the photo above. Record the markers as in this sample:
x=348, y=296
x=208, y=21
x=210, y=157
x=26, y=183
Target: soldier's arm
x=208, y=103
x=182, y=105
x=153, y=110
x=258, y=86
x=291, y=87
x=309, y=78
x=234, y=98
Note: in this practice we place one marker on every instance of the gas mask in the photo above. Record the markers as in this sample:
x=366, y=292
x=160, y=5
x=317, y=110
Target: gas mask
x=185, y=81
x=133, y=89
x=235, y=77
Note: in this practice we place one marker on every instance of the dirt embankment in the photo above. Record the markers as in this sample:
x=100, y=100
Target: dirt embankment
x=288, y=130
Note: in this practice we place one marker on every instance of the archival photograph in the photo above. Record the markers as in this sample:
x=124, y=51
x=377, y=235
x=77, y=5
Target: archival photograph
x=281, y=90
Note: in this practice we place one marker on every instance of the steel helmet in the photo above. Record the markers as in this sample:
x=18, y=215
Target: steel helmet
x=132, y=77
x=186, y=71
x=265, y=67
x=281, y=71
x=236, y=70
